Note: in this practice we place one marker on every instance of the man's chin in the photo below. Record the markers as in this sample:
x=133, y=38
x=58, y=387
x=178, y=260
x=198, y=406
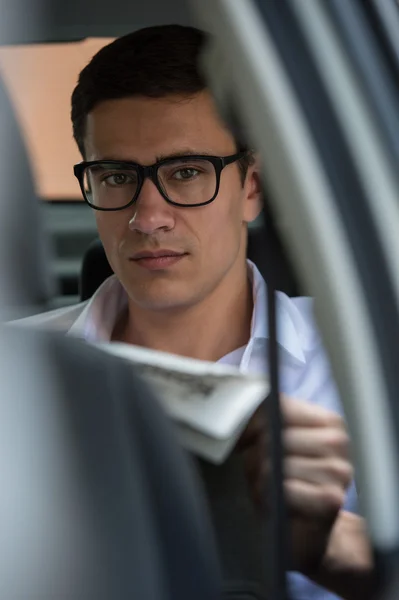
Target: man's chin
x=164, y=292
x=162, y=305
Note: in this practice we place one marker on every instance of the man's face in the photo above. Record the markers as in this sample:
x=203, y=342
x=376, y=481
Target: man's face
x=209, y=240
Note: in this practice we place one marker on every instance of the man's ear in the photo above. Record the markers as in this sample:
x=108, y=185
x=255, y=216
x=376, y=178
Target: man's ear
x=253, y=191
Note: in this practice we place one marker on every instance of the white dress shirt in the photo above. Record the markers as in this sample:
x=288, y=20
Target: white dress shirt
x=304, y=368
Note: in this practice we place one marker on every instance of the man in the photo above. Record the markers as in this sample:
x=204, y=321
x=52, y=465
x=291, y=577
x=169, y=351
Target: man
x=173, y=196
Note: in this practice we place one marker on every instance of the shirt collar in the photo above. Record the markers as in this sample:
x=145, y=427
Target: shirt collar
x=98, y=318
x=289, y=320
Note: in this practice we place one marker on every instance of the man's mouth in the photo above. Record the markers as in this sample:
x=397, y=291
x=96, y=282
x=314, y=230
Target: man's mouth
x=157, y=259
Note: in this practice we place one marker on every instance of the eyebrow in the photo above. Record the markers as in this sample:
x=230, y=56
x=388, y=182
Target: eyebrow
x=180, y=153
x=160, y=157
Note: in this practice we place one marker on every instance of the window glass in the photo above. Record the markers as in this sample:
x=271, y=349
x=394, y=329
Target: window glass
x=40, y=80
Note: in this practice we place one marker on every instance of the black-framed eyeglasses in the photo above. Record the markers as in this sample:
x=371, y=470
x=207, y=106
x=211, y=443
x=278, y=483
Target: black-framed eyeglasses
x=182, y=181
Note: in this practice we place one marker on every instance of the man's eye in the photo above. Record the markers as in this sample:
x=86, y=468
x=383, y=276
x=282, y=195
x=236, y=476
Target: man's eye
x=118, y=179
x=186, y=174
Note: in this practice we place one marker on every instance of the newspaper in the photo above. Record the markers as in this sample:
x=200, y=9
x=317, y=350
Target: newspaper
x=210, y=403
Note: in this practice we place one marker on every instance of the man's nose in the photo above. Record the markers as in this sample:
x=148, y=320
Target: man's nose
x=151, y=211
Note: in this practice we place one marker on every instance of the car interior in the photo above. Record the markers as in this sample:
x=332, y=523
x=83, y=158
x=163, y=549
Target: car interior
x=329, y=229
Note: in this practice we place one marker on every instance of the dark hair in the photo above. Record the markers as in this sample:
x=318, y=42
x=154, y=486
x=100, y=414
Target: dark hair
x=153, y=62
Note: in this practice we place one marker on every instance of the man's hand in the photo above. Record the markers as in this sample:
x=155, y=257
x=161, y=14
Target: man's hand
x=317, y=473
x=347, y=567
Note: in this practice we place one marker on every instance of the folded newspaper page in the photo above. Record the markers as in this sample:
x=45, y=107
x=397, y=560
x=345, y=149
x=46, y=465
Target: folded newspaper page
x=210, y=403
